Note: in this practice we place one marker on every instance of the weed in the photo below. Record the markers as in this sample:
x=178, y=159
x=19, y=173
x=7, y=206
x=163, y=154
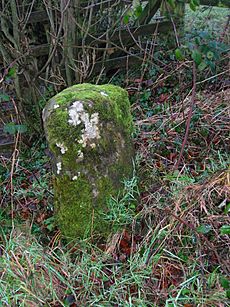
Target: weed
x=121, y=210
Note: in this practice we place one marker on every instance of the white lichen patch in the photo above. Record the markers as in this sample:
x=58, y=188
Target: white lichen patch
x=77, y=116
x=56, y=106
x=76, y=176
x=91, y=130
x=58, y=168
x=62, y=147
x=75, y=113
x=104, y=94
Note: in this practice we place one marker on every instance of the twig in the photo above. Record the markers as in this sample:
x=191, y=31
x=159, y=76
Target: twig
x=212, y=77
x=189, y=116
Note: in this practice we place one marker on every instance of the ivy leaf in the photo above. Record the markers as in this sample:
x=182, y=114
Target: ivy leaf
x=197, y=57
x=179, y=55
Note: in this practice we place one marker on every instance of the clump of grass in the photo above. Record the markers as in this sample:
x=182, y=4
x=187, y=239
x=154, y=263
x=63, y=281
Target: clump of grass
x=121, y=209
x=32, y=275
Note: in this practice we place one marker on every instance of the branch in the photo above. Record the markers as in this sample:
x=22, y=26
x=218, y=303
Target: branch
x=64, y=7
x=192, y=104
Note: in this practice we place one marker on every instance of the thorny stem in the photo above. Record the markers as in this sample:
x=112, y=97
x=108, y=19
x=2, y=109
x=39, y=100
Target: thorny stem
x=192, y=104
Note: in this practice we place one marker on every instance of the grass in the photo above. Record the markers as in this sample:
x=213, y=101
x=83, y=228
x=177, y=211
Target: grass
x=33, y=276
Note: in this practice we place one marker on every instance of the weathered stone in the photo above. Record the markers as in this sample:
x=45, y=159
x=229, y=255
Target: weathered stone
x=88, y=128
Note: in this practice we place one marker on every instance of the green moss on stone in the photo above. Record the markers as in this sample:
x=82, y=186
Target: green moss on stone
x=89, y=173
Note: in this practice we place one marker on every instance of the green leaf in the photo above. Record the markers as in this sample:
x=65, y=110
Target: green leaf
x=202, y=66
x=132, y=206
x=21, y=128
x=4, y=97
x=179, y=55
x=138, y=11
x=197, y=41
x=185, y=292
x=225, y=230
x=197, y=57
x=50, y=223
x=205, y=228
x=192, y=6
x=183, y=256
x=126, y=19
x=11, y=72
x=9, y=128
x=224, y=283
x=210, y=55
x=228, y=294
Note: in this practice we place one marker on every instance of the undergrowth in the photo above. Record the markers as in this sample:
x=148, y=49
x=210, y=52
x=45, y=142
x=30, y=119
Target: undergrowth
x=169, y=243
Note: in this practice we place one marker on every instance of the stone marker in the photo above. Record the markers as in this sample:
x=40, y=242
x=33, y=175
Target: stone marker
x=88, y=129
